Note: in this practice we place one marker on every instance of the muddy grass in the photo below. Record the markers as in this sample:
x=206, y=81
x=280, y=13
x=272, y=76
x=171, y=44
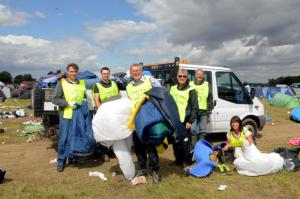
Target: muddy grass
x=29, y=174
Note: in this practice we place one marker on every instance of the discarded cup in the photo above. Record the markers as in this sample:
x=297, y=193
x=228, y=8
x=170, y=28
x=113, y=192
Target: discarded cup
x=222, y=187
x=54, y=161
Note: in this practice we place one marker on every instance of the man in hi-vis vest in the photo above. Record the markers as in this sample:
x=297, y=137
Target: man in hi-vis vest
x=105, y=89
x=205, y=103
x=185, y=98
x=135, y=89
x=70, y=93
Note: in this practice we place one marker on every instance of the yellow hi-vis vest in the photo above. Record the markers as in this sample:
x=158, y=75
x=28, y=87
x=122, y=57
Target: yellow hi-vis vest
x=237, y=142
x=202, y=94
x=106, y=93
x=181, y=98
x=135, y=93
x=73, y=93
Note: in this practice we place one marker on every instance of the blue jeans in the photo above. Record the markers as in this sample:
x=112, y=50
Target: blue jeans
x=199, y=125
x=64, y=126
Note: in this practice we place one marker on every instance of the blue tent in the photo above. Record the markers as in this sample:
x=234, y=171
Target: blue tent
x=89, y=78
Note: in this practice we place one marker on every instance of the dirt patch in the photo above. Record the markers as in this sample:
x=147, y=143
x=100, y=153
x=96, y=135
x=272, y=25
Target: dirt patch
x=29, y=175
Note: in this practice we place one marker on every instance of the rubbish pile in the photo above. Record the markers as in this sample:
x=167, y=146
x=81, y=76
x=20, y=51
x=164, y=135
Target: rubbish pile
x=32, y=128
x=12, y=114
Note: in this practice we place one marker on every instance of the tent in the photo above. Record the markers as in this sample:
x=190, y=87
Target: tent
x=283, y=100
x=270, y=92
x=89, y=78
x=5, y=90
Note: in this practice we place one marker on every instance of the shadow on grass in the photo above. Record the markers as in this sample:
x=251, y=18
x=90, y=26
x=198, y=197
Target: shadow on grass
x=7, y=180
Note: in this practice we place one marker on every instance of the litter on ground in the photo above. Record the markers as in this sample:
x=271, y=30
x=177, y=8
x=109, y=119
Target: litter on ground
x=98, y=174
x=222, y=187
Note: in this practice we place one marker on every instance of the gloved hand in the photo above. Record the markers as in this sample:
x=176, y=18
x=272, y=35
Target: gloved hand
x=73, y=105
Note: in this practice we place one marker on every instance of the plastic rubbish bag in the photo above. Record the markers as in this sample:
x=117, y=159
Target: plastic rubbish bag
x=122, y=150
x=291, y=161
x=110, y=128
x=111, y=120
x=251, y=162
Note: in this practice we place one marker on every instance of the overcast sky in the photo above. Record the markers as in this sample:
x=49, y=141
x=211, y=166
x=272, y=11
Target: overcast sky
x=258, y=39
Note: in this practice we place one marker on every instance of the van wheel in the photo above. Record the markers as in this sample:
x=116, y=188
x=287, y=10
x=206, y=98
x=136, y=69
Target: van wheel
x=252, y=126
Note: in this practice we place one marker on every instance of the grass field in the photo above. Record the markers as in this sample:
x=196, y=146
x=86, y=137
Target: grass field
x=29, y=174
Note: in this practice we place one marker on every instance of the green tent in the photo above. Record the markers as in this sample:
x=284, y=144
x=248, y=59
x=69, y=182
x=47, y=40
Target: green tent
x=283, y=100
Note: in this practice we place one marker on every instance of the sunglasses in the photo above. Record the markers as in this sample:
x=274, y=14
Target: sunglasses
x=182, y=76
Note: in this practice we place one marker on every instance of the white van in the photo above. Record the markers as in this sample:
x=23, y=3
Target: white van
x=229, y=95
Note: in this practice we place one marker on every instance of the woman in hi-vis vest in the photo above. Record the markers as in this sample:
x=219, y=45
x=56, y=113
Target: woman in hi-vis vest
x=237, y=134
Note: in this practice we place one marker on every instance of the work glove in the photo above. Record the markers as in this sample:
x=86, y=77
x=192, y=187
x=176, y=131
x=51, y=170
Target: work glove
x=73, y=105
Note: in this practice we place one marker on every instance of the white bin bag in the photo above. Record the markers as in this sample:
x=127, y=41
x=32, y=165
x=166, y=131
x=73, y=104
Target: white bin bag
x=111, y=120
x=110, y=128
x=251, y=162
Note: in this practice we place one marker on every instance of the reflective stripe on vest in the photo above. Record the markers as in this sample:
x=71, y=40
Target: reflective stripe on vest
x=202, y=94
x=107, y=92
x=237, y=142
x=181, y=98
x=73, y=93
x=136, y=92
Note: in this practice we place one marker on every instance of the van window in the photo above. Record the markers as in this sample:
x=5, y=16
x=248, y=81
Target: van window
x=230, y=88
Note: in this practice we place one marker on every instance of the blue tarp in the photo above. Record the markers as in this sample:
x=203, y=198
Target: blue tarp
x=295, y=114
x=270, y=92
x=204, y=165
x=146, y=117
x=89, y=78
x=81, y=140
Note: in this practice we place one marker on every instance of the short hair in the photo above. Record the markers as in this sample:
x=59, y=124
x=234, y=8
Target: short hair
x=182, y=71
x=136, y=65
x=198, y=70
x=238, y=120
x=104, y=68
x=73, y=65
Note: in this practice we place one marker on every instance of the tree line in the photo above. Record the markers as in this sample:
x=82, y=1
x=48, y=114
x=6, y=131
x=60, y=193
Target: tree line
x=6, y=77
x=284, y=80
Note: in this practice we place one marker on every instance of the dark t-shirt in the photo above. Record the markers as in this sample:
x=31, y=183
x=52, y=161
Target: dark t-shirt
x=105, y=85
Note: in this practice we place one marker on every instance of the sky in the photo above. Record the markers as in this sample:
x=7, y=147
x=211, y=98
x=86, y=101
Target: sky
x=257, y=39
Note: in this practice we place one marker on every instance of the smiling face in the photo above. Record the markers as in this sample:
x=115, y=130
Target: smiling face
x=72, y=73
x=105, y=75
x=199, y=75
x=136, y=72
x=182, y=77
x=235, y=126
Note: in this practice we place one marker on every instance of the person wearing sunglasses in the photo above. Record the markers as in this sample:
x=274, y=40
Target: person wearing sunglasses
x=186, y=100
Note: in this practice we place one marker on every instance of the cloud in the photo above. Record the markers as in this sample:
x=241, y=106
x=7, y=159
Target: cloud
x=110, y=33
x=39, y=14
x=9, y=17
x=21, y=53
x=256, y=38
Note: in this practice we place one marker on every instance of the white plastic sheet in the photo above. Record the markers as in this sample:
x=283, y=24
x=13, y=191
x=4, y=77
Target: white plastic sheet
x=251, y=162
x=111, y=121
x=110, y=128
x=122, y=149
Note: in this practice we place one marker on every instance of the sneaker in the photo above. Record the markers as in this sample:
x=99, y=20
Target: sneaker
x=141, y=172
x=2, y=174
x=60, y=168
x=156, y=178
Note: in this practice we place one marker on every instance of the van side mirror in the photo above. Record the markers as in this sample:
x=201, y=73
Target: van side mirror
x=252, y=93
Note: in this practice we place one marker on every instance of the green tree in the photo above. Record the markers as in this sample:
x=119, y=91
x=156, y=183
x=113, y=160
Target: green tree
x=5, y=77
x=19, y=78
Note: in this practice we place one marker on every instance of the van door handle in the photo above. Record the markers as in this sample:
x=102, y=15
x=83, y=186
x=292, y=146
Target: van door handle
x=215, y=102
